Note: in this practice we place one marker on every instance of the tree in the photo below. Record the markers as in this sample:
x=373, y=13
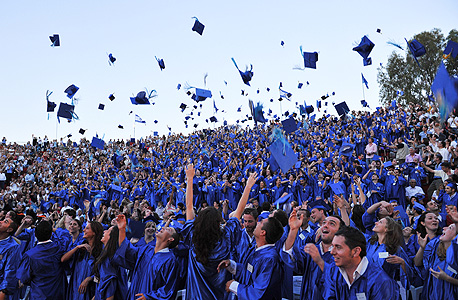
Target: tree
x=403, y=74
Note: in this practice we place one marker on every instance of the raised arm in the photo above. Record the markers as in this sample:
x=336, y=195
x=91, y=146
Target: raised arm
x=294, y=225
x=122, y=223
x=246, y=193
x=189, y=192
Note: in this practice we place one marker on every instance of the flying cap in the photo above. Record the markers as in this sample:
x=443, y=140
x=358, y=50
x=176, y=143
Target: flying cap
x=282, y=200
x=256, y=112
x=97, y=143
x=101, y=106
x=337, y=188
x=247, y=75
x=387, y=164
x=140, y=98
x=201, y=95
x=418, y=206
x=416, y=49
x=299, y=85
x=111, y=59
x=342, y=108
x=50, y=106
x=65, y=111
x=282, y=152
x=451, y=49
x=161, y=63
x=198, y=27
x=71, y=91
x=183, y=107
x=82, y=131
x=445, y=91
x=54, y=40
x=289, y=125
x=120, y=126
x=310, y=59
x=111, y=97
x=346, y=149
x=364, y=49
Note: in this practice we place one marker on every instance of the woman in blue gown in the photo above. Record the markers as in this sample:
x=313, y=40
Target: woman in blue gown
x=111, y=279
x=81, y=260
x=210, y=242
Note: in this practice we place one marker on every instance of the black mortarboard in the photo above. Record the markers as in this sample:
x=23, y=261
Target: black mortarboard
x=111, y=97
x=195, y=125
x=201, y=95
x=69, y=135
x=452, y=49
x=55, y=40
x=50, y=106
x=416, y=49
x=161, y=63
x=247, y=75
x=364, y=49
x=379, y=30
x=65, y=111
x=300, y=85
x=120, y=126
x=82, y=131
x=342, y=108
x=198, y=27
x=111, y=59
x=155, y=121
x=309, y=109
x=289, y=125
x=101, y=106
x=364, y=103
x=140, y=98
x=183, y=107
x=310, y=59
x=282, y=43
x=71, y=91
x=213, y=119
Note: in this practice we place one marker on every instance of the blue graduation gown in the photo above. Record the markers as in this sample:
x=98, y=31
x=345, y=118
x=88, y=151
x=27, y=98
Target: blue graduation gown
x=82, y=263
x=112, y=281
x=434, y=288
x=41, y=268
x=135, y=259
x=244, y=246
x=373, y=283
x=260, y=277
x=396, y=189
x=161, y=280
x=204, y=282
x=9, y=262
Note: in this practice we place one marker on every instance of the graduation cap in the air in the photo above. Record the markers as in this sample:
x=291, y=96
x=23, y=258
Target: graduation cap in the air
x=247, y=75
x=71, y=91
x=342, y=108
x=213, y=119
x=201, y=95
x=54, y=40
x=320, y=204
x=256, y=112
x=120, y=126
x=282, y=43
x=416, y=49
x=379, y=30
x=101, y=106
x=310, y=59
x=198, y=27
x=336, y=188
x=451, y=49
x=364, y=103
x=65, y=111
x=289, y=125
x=111, y=59
x=281, y=150
x=142, y=98
x=50, y=106
x=183, y=107
x=299, y=85
x=282, y=200
x=346, y=149
x=82, y=131
x=445, y=90
x=97, y=143
x=387, y=164
x=111, y=97
x=318, y=104
x=364, y=49
x=161, y=63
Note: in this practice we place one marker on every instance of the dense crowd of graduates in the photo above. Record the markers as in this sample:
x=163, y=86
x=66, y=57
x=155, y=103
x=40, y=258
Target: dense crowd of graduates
x=369, y=211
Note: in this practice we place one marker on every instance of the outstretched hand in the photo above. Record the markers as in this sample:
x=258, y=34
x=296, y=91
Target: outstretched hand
x=190, y=172
x=295, y=222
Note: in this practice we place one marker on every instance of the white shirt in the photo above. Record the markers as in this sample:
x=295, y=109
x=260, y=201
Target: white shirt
x=358, y=272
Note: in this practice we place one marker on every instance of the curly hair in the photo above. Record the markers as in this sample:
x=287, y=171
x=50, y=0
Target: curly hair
x=393, y=236
x=206, y=233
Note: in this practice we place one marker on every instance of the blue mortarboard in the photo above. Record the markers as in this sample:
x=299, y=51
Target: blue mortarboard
x=367, y=61
x=289, y=125
x=342, y=108
x=273, y=164
x=256, y=112
x=155, y=133
x=318, y=104
x=298, y=165
x=418, y=206
x=50, y=106
x=111, y=59
x=101, y=106
x=71, y=91
x=300, y=85
x=65, y=111
x=364, y=49
x=445, y=90
x=247, y=75
x=140, y=98
x=201, y=95
x=346, y=149
x=416, y=49
x=336, y=188
x=97, y=143
x=82, y=131
x=387, y=164
x=54, y=40
x=320, y=204
x=282, y=43
x=111, y=97
x=161, y=63
x=375, y=158
x=330, y=144
x=283, y=200
x=213, y=119
x=283, y=153
x=183, y=107
x=364, y=103
x=198, y=27
x=451, y=49
x=310, y=59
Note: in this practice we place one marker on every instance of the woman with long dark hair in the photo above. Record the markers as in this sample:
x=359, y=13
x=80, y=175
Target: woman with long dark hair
x=111, y=279
x=82, y=258
x=210, y=242
x=384, y=249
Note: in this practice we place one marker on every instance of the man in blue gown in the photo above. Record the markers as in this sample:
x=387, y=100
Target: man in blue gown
x=41, y=267
x=351, y=276
x=260, y=276
x=9, y=258
x=246, y=241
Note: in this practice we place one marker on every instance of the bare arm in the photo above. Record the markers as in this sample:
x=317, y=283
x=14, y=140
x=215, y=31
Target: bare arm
x=246, y=193
x=189, y=192
x=122, y=223
x=294, y=225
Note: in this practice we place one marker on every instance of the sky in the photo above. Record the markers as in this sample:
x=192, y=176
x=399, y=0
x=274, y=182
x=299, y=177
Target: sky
x=137, y=31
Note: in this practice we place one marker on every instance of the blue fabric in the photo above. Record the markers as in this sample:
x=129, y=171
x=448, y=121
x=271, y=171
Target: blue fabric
x=373, y=283
x=244, y=246
x=204, y=282
x=161, y=280
x=41, y=268
x=82, y=263
x=9, y=262
x=112, y=281
x=260, y=277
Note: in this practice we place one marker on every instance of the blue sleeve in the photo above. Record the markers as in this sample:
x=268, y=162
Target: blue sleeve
x=168, y=276
x=369, y=220
x=9, y=265
x=259, y=283
x=24, y=272
x=126, y=255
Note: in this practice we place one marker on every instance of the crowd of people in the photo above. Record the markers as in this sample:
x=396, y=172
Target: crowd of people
x=369, y=211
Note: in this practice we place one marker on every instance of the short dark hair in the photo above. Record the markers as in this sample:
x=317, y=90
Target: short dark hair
x=265, y=206
x=304, y=211
x=43, y=231
x=252, y=212
x=353, y=238
x=13, y=226
x=176, y=239
x=341, y=221
x=273, y=229
x=281, y=216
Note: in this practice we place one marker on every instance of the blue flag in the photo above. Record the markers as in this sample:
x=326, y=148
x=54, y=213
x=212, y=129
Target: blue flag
x=365, y=81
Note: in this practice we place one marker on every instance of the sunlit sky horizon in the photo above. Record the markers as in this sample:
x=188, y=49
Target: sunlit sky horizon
x=137, y=31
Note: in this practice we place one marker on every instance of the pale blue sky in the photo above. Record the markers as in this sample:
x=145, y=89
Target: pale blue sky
x=136, y=31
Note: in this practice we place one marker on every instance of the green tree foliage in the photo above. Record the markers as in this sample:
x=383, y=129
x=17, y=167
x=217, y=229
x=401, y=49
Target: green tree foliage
x=402, y=73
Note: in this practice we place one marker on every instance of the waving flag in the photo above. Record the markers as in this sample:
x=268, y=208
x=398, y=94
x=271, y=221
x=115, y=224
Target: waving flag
x=139, y=120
